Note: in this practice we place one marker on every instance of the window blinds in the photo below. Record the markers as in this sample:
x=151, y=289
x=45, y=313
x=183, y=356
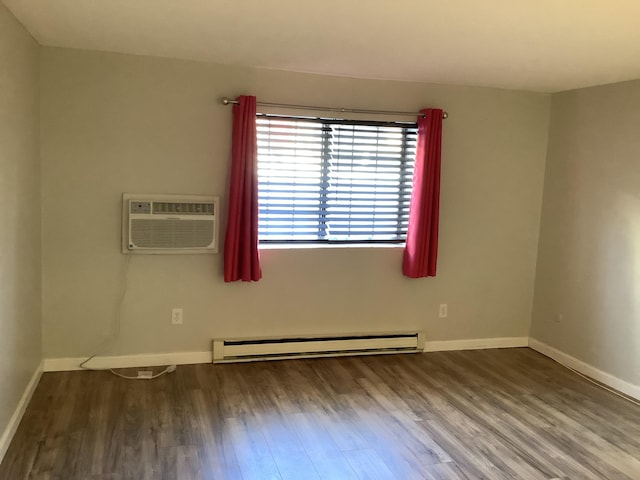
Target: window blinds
x=326, y=180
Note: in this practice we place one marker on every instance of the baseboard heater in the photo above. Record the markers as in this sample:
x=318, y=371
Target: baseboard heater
x=252, y=349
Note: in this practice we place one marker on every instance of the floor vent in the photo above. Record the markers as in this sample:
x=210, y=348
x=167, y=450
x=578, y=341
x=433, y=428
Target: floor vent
x=246, y=350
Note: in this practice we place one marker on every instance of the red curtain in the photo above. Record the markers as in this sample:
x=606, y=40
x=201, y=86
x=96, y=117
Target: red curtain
x=241, y=257
x=421, y=250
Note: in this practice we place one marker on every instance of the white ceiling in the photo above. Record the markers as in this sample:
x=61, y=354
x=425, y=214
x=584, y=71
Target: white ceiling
x=541, y=45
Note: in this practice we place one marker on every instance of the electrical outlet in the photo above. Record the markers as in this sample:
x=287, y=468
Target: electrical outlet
x=176, y=316
x=443, y=311
x=559, y=318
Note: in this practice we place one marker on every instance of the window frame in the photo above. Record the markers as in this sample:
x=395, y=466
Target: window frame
x=405, y=182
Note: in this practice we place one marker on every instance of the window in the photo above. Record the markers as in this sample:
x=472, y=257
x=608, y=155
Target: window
x=334, y=181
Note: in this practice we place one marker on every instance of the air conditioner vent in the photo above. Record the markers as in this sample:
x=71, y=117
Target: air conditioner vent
x=166, y=208
x=169, y=224
x=171, y=233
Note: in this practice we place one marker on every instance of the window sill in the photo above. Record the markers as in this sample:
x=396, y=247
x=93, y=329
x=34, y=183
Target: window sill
x=296, y=246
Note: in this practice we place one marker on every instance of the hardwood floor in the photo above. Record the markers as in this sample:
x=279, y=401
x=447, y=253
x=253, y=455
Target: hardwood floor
x=490, y=414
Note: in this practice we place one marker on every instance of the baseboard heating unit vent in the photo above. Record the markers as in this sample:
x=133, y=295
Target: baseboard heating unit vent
x=246, y=350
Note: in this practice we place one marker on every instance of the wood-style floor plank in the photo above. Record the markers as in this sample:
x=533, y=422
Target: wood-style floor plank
x=491, y=415
x=323, y=451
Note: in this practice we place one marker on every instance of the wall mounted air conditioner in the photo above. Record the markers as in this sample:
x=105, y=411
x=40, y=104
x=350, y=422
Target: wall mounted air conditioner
x=169, y=224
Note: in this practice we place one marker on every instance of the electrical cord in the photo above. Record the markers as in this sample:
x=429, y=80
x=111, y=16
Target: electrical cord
x=115, y=328
x=602, y=385
x=115, y=333
x=169, y=369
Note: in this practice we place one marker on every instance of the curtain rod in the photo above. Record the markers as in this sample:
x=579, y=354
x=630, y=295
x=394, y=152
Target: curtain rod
x=227, y=101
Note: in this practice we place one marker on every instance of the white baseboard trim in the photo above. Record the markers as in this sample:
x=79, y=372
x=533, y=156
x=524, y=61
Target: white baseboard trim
x=586, y=369
x=14, y=421
x=475, y=344
x=126, y=361
x=187, y=358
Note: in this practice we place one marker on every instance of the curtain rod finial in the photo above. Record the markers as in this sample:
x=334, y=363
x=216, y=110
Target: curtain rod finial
x=445, y=115
x=224, y=101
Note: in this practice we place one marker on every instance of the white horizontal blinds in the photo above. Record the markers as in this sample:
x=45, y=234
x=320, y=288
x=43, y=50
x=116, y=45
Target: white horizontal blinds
x=369, y=182
x=289, y=178
x=324, y=180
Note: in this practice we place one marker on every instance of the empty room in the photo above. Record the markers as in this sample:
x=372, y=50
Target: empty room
x=339, y=240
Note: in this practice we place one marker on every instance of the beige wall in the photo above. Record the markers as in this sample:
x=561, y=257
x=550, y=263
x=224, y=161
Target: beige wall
x=20, y=318
x=115, y=123
x=589, y=255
